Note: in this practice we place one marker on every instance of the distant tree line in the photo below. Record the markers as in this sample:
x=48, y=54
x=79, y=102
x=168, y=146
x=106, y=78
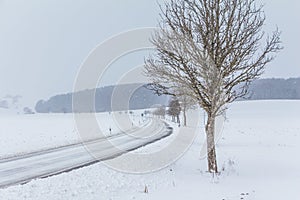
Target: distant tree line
x=143, y=98
x=275, y=89
x=140, y=99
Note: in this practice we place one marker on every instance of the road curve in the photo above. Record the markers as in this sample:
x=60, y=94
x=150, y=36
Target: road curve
x=22, y=169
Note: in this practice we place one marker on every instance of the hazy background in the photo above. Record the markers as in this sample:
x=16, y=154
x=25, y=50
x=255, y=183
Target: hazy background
x=44, y=42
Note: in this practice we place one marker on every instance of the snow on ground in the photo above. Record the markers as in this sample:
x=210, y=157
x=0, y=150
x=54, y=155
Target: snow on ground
x=257, y=155
x=21, y=133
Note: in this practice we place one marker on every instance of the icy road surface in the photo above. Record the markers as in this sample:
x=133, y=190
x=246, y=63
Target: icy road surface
x=22, y=169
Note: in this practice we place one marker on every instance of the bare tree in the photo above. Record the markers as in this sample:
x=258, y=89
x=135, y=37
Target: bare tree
x=186, y=103
x=213, y=49
x=174, y=109
x=160, y=111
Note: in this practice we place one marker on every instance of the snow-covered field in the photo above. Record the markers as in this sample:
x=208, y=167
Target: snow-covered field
x=21, y=133
x=257, y=156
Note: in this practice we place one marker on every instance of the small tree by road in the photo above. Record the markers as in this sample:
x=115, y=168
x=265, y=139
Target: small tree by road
x=186, y=103
x=160, y=112
x=174, y=110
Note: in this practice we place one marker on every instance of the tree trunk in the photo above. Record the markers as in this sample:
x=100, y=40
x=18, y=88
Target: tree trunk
x=211, y=150
x=184, y=117
x=178, y=119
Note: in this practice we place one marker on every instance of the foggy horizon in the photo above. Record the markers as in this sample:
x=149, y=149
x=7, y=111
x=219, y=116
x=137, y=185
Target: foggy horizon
x=45, y=43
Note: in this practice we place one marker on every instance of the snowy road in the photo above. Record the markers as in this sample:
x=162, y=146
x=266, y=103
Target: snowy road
x=22, y=169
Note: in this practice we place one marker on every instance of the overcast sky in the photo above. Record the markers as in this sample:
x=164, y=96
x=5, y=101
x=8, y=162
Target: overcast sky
x=44, y=42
